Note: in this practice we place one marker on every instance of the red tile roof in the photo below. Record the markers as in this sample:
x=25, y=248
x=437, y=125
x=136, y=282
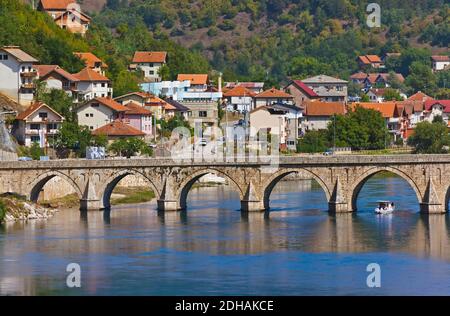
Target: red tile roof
x=445, y=103
x=440, y=58
x=239, y=91
x=359, y=76
x=56, y=4
x=369, y=59
x=310, y=92
x=110, y=103
x=67, y=16
x=387, y=109
x=136, y=109
x=90, y=59
x=118, y=128
x=149, y=57
x=33, y=108
x=87, y=74
x=420, y=96
x=274, y=93
x=319, y=108
x=44, y=70
x=195, y=79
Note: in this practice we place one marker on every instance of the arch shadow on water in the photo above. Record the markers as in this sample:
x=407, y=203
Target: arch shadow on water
x=385, y=185
x=305, y=194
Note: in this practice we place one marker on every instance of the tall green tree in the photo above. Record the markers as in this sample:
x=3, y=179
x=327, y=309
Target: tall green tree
x=430, y=138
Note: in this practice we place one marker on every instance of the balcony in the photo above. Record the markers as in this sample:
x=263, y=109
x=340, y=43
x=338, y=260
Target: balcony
x=29, y=74
x=28, y=86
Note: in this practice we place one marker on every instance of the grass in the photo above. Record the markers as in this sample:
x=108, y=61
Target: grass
x=67, y=201
x=132, y=195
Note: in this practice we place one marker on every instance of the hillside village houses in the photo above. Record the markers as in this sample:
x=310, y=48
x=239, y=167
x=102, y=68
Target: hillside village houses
x=301, y=92
x=57, y=78
x=67, y=15
x=318, y=114
x=92, y=84
x=150, y=64
x=37, y=124
x=17, y=74
x=272, y=96
x=93, y=62
x=370, y=61
x=98, y=112
x=255, y=87
x=117, y=130
x=239, y=99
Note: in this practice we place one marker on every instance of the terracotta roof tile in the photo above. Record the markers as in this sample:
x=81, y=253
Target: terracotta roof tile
x=239, y=91
x=195, y=79
x=319, y=108
x=420, y=96
x=149, y=57
x=136, y=109
x=444, y=103
x=387, y=109
x=440, y=58
x=44, y=70
x=56, y=4
x=110, y=103
x=87, y=74
x=274, y=93
x=33, y=108
x=118, y=128
x=90, y=59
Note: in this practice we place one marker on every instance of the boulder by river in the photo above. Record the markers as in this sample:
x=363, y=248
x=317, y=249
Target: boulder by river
x=17, y=210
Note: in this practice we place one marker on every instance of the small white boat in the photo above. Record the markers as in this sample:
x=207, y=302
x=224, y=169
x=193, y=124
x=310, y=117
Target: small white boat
x=385, y=207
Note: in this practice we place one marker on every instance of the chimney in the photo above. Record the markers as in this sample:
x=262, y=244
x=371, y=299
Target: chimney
x=219, y=83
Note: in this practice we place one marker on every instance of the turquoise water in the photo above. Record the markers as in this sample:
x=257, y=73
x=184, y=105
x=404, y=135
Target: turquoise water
x=298, y=249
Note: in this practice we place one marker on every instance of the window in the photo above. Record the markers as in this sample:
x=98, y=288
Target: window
x=35, y=126
x=65, y=84
x=103, y=85
x=91, y=114
x=5, y=57
x=1, y=57
x=87, y=114
x=151, y=72
x=52, y=126
x=23, y=69
x=35, y=139
x=91, y=127
x=151, y=64
x=43, y=115
x=202, y=113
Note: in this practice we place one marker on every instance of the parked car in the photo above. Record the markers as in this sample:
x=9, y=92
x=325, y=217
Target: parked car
x=25, y=159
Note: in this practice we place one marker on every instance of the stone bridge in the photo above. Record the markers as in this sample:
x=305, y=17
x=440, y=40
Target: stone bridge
x=341, y=178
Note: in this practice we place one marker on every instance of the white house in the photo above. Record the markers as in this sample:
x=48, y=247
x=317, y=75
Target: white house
x=17, y=74
x=269, y=120
x=91, y=85
x=149, y=63
x=435, y=108
x=440, y=62
x=57, y=78
x=99, y=112
x=37, y=124
x=239, y=99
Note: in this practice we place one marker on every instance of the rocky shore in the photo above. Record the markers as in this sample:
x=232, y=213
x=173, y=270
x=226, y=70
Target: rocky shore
x=17, y=210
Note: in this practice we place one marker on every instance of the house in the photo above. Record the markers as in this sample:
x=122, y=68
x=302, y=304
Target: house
x=198, y=82
x=269, y=120
x=167, y=89
x=358, y=77
x=37, y=124
x=389, y=111
x=272, y=96
x=57, y=78
x=255, y=87
x=329, y=89
x=370, y=81
x=17, y=74
x=370, y=61
x=139, y=97
x=414, y=112
x=158, y=107
x=177, y=109
x=384, y=79
x=139, y=118
x=91, y=85
x=67, y=14
x=376, y=95
x=294, y=123
x=149, y=63
x=93, y=62
x=301, y=92
x=117, y=130
x=318, y=114
x=239, y=99
x=98, y=112
x=440, y=62
x=435, y=108
x=420, y=97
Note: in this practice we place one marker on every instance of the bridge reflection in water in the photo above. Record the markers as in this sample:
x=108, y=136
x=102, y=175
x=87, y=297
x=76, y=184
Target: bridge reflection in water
x=135, y=240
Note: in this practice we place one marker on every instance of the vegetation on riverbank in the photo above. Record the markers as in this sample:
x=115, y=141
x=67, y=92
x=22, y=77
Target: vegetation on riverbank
x=2, y=210
x=132, y=195
x=14, y=207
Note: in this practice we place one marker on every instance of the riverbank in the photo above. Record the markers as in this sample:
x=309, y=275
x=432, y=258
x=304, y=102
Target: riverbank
x=14, y=208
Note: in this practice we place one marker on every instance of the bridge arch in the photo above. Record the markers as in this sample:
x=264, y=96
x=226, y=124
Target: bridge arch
x=36, y=186
x=108, y=186
x=362, y=179
x=270, y=184
x=186, y=185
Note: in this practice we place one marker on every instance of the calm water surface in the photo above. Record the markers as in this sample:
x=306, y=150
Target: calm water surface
x=299, y=249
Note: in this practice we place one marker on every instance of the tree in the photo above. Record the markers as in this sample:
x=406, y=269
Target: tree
x=359, y=129
x=128, y=147
x=59, y=101
x=35, y=151
x=430, y=138
x=2, y=211
x=125, y=82
x=312, y=142
x=421, y=78
x=392, y=95
x=73, y=137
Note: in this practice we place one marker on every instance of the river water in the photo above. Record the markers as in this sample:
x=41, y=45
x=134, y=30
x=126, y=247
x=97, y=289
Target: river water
x=298, y=249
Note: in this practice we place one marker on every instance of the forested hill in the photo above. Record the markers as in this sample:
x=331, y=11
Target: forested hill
x=260, y=39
